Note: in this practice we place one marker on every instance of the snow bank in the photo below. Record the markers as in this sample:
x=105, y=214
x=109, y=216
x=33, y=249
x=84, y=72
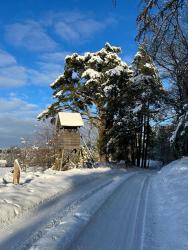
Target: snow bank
x=175, y=168
x=170, y=187
x=37, y=187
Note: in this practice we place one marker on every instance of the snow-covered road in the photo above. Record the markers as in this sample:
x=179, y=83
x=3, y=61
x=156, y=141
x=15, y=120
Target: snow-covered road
x=106, y=209
x=117, y=210
x=85, y=199
x=119, y=223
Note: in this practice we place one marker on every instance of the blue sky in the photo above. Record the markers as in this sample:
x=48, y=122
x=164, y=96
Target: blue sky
x=36, y=35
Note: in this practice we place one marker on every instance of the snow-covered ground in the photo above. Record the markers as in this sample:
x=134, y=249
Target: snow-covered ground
x=98, y=209
x=37, y=187
x=4, y=170
x=55, y=197
x=150, y=212
x=167, y=216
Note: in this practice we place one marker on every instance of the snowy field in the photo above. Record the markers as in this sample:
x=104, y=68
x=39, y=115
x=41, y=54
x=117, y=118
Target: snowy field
x=97, y=209
x=37, y=187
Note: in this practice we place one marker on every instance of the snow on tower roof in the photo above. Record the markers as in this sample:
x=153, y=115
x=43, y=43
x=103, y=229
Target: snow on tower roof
x=68, y=119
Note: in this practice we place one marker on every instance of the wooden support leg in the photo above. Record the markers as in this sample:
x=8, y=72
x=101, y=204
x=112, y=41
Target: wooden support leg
x=61, y=160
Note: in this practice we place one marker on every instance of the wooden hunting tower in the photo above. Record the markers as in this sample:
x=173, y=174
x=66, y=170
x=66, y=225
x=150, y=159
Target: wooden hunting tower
x=68, y=139
x=67, y=125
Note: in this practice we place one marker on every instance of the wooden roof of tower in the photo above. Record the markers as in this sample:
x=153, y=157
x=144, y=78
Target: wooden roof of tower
x=68, y=119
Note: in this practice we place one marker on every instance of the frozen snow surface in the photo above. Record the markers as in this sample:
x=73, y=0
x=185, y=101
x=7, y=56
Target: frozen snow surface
x=97, y=209
x=175, y=169
x=167, y=216
x=36, y=187
x=81, y=193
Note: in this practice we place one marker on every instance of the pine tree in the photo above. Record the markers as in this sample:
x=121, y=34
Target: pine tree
x=149, y=96
x=90, y=85
x=137, y=106
x=122, y=131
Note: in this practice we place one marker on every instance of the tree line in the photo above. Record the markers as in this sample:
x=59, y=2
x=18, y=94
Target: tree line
x=125, y=101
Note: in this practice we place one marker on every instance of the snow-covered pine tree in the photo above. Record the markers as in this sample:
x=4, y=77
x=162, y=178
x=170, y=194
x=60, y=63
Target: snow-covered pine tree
x=122, y=132
x=149, y=96
x=89, y=85
x=139, y=103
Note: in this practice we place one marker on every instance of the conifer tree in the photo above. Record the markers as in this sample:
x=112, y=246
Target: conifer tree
x=137, y=106
x=149, y=96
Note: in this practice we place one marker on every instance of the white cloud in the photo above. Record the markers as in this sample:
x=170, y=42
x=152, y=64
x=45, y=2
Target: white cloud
x=6, y=58
x=15, y=104
x=11, y=74
x=17, y=119
x=54, y=57
x=49, y=67
x=89, y=26
x=66, y=31
x=31, y=35
x=72, y=26
x=78, y=27
x=45, y=73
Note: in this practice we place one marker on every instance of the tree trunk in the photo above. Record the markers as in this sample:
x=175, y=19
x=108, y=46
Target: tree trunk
x=139, y=146
x=133, y=144
x=143, y=141
x=146, y=142
x=102, y=141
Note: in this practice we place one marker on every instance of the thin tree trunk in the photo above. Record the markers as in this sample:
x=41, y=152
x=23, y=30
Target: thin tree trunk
x=143, y=141
x=146, y=142
x=101, y=141
x=133, y=148
x=139, y=148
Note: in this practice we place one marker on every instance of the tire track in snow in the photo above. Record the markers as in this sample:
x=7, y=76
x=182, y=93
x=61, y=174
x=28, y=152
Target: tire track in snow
x=138, y=243
x=41, y=222
x=65, y=232
x=119, y=223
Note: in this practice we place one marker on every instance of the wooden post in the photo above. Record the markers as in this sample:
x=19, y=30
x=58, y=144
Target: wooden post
x=61, y=161
x=16, y=173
